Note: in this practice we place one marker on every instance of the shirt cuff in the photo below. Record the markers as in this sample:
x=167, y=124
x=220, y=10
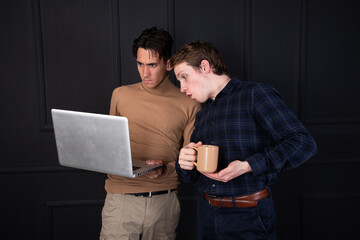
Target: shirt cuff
x=257, y=163
x=186, y=176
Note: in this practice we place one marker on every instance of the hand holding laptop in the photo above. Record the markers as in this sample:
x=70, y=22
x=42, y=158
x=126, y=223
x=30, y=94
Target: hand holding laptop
x=156, y=173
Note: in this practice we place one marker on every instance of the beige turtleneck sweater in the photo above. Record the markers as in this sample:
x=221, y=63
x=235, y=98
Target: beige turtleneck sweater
x=160, y=122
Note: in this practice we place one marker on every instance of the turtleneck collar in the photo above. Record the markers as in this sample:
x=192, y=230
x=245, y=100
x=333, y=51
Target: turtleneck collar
x=159, y=89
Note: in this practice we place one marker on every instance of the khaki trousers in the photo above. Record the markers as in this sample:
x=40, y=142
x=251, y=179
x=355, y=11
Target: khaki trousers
x=129, y=217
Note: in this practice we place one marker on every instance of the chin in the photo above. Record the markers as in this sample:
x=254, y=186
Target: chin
x=201, y=100
x=148, y=84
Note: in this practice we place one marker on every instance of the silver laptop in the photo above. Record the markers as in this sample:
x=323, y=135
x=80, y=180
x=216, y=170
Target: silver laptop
x=96, y=142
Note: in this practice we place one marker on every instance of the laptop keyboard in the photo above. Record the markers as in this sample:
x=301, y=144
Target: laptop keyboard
x=135, y=168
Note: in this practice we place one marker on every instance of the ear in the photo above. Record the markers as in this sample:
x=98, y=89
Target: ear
x=168, y=67
x=205, y=66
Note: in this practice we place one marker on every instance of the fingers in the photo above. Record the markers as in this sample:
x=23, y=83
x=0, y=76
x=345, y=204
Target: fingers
x=233, y=170
x=187, y=156
x=219, y=177
x=213, y=176
x=186, y=159
x=192, y=144
x=152, y=161
x=156, y=173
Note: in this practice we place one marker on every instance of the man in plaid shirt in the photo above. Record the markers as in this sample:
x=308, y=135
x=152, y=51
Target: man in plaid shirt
x=258, y=136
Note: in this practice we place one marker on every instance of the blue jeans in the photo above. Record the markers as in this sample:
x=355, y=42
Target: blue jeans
x=253, y=223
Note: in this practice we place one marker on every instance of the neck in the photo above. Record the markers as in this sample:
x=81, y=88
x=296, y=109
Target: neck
x=160, y=88
x=218, y=84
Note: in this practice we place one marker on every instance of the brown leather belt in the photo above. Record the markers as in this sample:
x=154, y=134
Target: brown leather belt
x=241, y=202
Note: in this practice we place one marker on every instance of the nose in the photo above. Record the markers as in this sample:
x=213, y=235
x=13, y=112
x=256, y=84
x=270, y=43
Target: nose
x=182, y=87
x=146, y=72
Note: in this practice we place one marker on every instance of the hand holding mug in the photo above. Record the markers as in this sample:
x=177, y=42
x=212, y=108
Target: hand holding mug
x=207, y=158
x=188, y=156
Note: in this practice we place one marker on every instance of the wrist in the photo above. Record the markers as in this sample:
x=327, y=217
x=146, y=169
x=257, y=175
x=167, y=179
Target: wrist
x=247, y=167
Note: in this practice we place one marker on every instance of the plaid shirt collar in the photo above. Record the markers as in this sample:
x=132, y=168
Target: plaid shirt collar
x=227, y=90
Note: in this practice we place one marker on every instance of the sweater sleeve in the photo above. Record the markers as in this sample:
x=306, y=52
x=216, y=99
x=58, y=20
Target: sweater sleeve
x=189, y=176
x=113, y=103
x=189, y=128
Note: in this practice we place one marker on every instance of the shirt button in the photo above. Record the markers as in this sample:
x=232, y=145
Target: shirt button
x=213, y=185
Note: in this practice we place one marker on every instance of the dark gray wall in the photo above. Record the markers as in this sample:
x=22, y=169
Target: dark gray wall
x=72, y=53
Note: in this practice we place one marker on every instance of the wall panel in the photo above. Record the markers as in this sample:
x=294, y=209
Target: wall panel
x=67, y=217
x=333, y=73
x=135, y=16
x=77, y=47
x=47, y=203
x=275, y=47
x=19, y=141
x=219, y=22
x=72, y=54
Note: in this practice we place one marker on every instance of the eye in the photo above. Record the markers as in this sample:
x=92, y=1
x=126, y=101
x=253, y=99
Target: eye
x=153, y=65
x=184, y=76
x=140, y=64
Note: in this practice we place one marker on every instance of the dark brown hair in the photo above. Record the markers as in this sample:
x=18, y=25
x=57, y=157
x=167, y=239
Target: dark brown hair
x=156, y=40
x=193, y=53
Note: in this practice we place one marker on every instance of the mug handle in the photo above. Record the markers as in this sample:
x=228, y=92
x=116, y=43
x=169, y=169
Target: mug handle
x=196, y=149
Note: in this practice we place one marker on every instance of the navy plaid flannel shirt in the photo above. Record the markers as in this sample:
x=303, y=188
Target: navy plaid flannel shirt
x=249, y=122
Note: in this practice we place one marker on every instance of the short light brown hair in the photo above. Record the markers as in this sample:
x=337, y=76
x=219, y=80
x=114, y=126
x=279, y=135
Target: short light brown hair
x=193, y=53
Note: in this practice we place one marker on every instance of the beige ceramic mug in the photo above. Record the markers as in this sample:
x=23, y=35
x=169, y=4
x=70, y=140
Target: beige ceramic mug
x=207, y=158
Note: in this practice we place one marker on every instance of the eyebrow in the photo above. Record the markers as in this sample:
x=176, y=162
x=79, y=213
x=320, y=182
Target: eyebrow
x=179, y=73
x=147, y=63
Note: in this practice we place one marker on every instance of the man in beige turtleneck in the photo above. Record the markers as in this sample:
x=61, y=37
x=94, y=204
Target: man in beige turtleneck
x=160, y=121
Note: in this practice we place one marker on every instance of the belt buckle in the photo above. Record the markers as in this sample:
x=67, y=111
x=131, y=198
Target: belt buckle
x=215, y=198
x=144, y=195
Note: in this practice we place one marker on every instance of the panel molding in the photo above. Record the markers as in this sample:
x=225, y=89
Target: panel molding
x=247, y=41
x=171, y=20
x=326, y=161
x=116, y=40
x=44, y=121
x=321, y=161
x=74, y=203
x=41, y=170
x=333, y=121
x=52, y=205
x=302, y=61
